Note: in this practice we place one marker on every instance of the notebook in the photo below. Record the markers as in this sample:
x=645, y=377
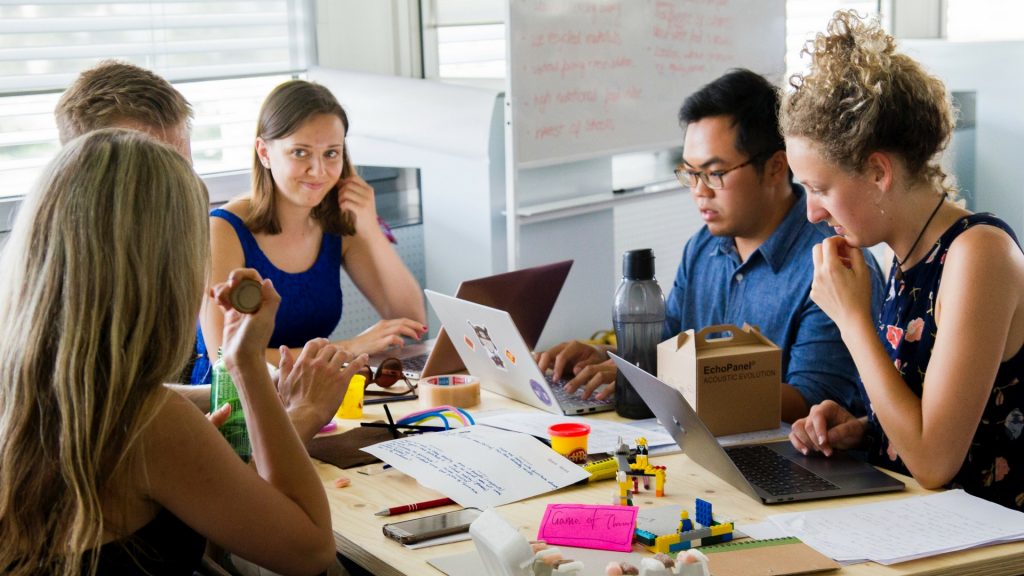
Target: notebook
x=775, y=557
x=772, y=472
x=493, y=350
x=528, y=295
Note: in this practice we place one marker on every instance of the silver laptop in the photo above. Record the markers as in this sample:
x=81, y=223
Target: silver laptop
x=528, y=295
x=493, y=350
x=773, y=472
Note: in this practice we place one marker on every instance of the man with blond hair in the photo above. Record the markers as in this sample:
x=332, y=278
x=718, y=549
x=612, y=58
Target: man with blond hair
x=121, y=95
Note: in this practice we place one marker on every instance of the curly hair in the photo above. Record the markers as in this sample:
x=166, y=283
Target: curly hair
x=861, y=96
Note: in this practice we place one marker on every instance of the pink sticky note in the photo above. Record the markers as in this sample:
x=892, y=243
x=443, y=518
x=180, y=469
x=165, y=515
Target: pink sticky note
x=588, y=526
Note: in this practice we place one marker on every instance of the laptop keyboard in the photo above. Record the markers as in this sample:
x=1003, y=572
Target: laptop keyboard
x=774, y=473
x=573, y=401
x=415, y=363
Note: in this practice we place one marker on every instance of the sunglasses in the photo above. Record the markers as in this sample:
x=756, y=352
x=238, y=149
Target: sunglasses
x=388, y=373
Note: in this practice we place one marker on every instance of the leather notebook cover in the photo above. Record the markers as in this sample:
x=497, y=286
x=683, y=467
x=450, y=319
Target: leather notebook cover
x=774, y=557
x=343, y=450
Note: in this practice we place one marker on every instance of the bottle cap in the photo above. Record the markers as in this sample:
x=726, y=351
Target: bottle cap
x=638, y=264
x=247, y=296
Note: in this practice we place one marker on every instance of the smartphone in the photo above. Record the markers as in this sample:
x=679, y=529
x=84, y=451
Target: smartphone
x=427, y=527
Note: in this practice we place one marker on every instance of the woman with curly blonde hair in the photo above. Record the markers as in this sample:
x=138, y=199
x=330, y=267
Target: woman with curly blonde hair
x=103, y=470
x=941, y=365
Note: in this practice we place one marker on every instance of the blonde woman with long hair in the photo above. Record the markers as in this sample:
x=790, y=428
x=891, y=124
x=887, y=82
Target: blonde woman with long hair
x=103, y=470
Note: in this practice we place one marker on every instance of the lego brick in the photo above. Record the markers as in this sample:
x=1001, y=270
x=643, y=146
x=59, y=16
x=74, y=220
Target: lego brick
x=704, y=514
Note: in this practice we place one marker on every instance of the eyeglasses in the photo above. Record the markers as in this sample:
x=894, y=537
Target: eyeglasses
x=389, y=372
x=714, y=180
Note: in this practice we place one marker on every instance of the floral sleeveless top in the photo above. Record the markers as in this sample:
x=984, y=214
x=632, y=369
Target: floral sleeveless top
x=994, y=466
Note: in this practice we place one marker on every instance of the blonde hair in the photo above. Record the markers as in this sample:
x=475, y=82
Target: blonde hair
x=113, y=92
x=861, y=96
x=103, y=276
x=288, y=106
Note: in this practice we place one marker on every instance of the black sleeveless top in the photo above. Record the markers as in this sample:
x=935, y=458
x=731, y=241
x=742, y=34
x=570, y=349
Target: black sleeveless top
x=994, y=466
x=165, y=546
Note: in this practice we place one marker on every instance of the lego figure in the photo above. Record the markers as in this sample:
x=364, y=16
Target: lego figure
x=634, y=471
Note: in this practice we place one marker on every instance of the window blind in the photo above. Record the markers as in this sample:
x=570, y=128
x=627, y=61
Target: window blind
x=223, y=56
x=470, y=37
x=46, y=43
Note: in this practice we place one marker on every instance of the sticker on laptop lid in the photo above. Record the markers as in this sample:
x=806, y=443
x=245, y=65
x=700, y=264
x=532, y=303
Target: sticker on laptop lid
x=540, y=392
x=484, y=337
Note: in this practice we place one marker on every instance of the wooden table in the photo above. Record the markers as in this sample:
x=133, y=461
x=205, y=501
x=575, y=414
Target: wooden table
x=357, y=531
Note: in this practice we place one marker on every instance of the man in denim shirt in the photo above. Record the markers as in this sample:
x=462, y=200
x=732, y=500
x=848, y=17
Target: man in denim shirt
x=751, y=262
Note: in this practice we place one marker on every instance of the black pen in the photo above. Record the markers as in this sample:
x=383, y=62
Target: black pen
x=386, y=399
x=425, y=428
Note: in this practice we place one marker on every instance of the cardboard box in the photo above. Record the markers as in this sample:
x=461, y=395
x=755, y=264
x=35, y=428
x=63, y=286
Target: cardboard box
x=733, y=382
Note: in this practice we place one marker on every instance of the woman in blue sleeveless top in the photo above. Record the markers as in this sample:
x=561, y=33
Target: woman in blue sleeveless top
x=941, y=365
x=309, y=215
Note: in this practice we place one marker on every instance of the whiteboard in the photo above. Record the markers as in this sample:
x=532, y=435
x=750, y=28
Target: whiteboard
x=589, y=78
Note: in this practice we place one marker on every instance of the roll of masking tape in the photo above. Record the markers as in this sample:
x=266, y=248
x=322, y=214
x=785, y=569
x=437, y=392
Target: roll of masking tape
x=453, y=390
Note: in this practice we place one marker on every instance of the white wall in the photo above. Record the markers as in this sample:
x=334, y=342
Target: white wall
x=380, y=36
x=992, y=70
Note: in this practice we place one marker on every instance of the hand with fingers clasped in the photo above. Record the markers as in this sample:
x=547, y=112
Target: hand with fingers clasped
x=841, y=286
x=313, y=386
x=385, y=334
x=827, y=427
x=589, y=367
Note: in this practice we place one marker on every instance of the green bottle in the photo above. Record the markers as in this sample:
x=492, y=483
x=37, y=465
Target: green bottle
x=223, y=390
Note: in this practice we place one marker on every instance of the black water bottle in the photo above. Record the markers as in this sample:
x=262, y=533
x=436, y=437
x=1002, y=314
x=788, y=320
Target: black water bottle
x=638, y=316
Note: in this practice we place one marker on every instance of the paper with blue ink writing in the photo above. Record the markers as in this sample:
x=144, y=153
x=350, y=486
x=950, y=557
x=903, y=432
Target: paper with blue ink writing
x=480, y=466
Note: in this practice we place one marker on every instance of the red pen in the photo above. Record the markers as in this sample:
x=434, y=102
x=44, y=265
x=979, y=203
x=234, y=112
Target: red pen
x=417, y=506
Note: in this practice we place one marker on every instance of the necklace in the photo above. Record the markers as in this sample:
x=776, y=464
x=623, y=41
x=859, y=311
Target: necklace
x=900, y=261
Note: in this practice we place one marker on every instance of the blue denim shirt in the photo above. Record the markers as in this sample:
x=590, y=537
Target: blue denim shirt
x=771, y=290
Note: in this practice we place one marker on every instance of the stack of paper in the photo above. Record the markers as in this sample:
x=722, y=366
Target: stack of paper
x=906, y=529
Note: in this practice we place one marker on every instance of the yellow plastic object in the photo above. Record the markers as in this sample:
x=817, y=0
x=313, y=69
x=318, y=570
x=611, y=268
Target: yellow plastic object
x=352, y=405
x=602, y=337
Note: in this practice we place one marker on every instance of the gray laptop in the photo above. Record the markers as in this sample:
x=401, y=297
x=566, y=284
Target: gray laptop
x=528, y=295
x=774, y=472
x=493, y=350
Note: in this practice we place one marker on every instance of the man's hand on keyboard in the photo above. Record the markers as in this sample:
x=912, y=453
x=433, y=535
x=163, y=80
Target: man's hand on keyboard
x=586, y=366
x=599, y=377
x=566, y=359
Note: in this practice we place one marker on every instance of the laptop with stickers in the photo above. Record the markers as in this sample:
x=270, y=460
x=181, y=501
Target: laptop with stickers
x=493, y=350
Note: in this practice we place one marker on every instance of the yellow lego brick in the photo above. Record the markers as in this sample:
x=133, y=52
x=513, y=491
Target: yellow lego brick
x=720, y=529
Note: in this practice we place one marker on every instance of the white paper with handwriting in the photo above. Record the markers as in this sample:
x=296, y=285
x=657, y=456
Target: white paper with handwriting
x=480, y=466
x=905, y=529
